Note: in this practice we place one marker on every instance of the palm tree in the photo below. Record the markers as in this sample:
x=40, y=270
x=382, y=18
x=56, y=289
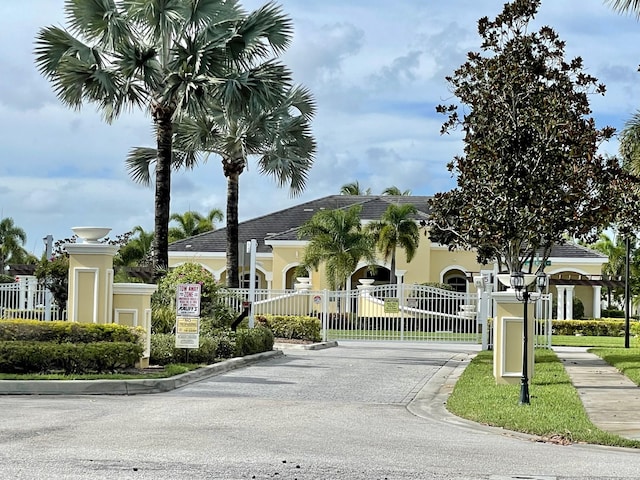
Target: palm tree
x=337, y=239
x=193, y=223
x=279, y=133
x=171, y=58
x=137, y=250
x=12, y=239
x=630, y=144
x=393, y=190
x=353, y=188
x=396, y=228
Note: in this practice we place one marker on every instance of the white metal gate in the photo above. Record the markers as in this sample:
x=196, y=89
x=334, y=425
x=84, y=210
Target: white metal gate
x=380, y=312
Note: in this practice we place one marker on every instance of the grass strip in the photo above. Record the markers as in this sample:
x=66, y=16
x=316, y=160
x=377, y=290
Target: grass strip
x=626, y=360
x=555, y=413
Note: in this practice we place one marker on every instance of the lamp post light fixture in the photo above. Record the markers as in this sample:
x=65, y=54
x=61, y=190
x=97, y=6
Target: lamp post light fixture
x=521, y=287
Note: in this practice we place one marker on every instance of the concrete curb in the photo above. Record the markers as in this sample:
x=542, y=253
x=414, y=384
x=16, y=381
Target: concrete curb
x=308, y=346
x=128, y=387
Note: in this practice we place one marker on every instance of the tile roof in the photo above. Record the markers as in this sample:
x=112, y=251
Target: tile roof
x=283, y=224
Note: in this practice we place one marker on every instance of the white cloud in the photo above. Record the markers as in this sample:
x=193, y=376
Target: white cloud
x=376, y=67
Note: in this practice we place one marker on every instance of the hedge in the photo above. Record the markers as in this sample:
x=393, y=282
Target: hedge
x=292, y=327
x=72, y=332
x=41, y=357
x=597, y=328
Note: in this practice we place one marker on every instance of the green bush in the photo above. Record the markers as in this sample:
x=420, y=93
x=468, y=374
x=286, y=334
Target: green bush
x=164, y=351
x=41, y=357
x=163, y=319
x=595, y=328
x=226, y=347
x=72, y=332
x=224, y=344
x=292, y=327
x=254, y=340
x=612, y=313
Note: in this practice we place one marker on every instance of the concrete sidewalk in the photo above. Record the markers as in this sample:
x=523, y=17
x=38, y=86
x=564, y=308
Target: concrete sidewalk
x=610, y=399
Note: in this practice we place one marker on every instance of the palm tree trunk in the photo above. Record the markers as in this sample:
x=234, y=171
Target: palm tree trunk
x=163, y=119
x=233, y=178
x=392, y=277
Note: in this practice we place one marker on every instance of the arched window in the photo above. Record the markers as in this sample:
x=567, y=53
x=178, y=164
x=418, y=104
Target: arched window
x=458, y=282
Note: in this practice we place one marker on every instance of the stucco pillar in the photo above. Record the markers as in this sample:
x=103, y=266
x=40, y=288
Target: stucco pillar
x=569, y=301
x=560, y=304
x=508, y=339
x=132, y=307
x=90, y=281
x=597, y=302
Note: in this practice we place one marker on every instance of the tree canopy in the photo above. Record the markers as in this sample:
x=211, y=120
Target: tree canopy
x=172, y=58
x=531, y=175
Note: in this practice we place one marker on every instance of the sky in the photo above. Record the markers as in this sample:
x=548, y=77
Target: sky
x=377, y=70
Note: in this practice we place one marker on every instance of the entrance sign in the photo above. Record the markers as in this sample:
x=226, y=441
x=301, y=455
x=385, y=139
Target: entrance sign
x=188, y=300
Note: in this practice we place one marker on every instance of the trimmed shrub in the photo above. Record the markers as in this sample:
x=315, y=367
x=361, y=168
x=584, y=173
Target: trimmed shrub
x=72, y=332
x=612, y=313
x=254, y=340
x=596, y=328
x=164, y=351
x=292, y=327
x=224, y=344
x=41, y=357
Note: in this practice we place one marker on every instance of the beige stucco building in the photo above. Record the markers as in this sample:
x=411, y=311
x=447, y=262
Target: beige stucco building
x=574, y=271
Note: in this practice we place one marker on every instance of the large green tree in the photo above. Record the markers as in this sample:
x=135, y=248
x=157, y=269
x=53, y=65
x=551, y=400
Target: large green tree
x=530, y=176
x=170, y=57
x=12, y=240
x=337, y=240
x=396, y=228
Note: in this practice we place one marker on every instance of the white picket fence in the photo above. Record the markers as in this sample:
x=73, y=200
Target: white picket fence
x=29, y=300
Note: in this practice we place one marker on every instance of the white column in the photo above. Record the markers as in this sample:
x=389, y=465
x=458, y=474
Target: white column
x=560, y=303
x=569, y=302
x=597, y=302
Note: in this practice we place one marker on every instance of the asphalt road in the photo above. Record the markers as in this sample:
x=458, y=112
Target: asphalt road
x=358, y=411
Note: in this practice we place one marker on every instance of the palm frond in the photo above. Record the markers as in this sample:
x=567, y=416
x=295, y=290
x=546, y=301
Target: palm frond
x=139, y=162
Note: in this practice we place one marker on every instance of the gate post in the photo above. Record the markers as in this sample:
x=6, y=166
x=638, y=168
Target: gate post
x=508, y=339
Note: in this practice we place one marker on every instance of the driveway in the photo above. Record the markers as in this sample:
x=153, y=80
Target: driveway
x=357, y=411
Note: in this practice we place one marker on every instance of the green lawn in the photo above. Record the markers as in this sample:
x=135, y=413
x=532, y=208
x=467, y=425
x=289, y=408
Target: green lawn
x=555, y=413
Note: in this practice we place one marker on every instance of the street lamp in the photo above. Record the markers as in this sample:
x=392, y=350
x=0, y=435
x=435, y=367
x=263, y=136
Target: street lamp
x=521, y=286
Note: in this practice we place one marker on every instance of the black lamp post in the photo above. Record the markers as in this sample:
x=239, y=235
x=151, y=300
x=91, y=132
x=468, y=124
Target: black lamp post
x=518, y=283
